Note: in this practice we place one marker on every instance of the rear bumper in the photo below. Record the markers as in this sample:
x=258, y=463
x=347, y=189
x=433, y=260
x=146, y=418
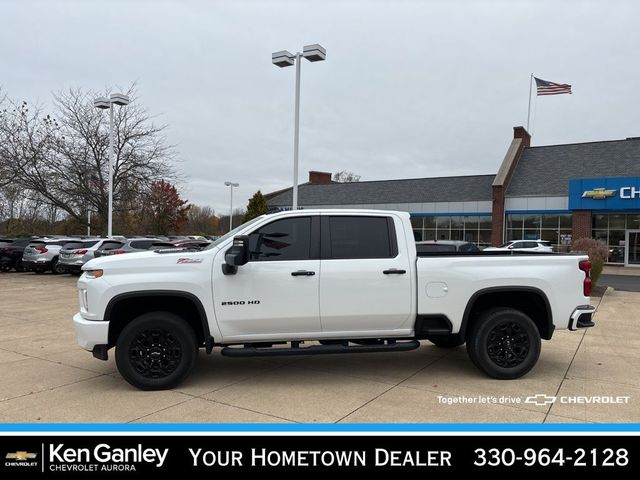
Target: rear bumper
x=582, y=317
x=71, y=267
x=90, y=333
x=38, y=264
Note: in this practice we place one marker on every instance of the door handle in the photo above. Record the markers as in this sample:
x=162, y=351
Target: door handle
x=394, y=271
x=302, y=273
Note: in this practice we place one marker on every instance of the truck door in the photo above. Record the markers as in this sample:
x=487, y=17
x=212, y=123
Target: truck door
x=276, y=292
x=365, y=282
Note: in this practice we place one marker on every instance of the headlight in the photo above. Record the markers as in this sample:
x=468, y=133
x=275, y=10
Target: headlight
x=93, y=273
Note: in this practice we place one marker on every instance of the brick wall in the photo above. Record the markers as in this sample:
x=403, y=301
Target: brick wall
x=497, y=216
x=581, y=224
x=319, y=178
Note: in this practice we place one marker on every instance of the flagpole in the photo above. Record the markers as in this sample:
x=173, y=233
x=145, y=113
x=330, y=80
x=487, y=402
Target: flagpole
x=529, y=110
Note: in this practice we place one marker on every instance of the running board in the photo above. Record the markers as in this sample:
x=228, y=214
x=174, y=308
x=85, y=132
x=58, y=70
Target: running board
x=250, y=351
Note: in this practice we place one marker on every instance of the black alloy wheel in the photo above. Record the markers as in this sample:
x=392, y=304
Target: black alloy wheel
x=508, y=344
x=156, y=351
x=504, y=343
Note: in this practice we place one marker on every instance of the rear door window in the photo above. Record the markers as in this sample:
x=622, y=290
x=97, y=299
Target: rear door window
x=111, y=245
x=73, y=245
x=361, y=237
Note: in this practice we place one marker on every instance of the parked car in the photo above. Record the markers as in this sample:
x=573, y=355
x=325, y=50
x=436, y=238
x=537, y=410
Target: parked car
x=75, y=254
x=43, y=254
x=349, y=279
x=435, y=246
x=191, y=244
x=11, y=253
x=134, y=245
x=523, y=246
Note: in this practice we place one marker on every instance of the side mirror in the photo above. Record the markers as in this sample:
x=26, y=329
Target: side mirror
x=510, y=247
x=237, y=255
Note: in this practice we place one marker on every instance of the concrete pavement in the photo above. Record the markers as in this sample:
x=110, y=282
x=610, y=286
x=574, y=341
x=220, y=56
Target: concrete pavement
x=47, y=378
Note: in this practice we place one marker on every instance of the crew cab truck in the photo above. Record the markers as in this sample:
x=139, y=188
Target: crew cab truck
x=325, y=281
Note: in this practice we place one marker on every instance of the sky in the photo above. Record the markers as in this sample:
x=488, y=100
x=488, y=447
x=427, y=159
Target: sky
x=408, y=89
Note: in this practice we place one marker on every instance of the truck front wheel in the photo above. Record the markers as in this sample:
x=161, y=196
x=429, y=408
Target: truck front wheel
x=156, y=351
x=504, y=343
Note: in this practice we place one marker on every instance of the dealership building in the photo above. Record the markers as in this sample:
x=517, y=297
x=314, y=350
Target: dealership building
x=557, y=193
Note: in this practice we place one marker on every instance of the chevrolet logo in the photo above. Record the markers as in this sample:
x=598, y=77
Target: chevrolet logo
x=540, y=399
x=598, y=193
x=21, y=456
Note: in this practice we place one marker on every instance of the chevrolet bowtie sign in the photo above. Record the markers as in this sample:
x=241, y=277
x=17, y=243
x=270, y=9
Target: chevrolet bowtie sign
x=622, y=193
x=598, y=193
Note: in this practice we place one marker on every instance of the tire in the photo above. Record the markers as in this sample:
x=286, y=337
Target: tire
x=57, y=268
x=447, y=341
x=504, y=343
x=161, y=332
x=19, y=266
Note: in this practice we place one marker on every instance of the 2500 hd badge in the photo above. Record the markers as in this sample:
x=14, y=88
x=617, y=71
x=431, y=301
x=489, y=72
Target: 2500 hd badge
x=241, y=302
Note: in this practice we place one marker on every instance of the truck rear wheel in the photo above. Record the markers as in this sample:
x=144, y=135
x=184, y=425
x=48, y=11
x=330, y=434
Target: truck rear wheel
x=447, y=341
x=156, y=351
x=504, y=343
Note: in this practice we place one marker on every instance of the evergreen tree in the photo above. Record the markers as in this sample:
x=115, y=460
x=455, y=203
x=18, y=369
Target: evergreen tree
x=257, y=206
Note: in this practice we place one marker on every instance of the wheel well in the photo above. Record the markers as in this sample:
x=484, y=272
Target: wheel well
x=531, y=302
x=122, y=311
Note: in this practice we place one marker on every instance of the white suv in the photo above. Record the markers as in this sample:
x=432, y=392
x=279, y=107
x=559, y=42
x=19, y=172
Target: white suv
x=523, y=246
x=43, y=254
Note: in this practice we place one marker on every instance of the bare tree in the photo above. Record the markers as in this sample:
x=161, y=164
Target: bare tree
x=202, y=220
x=64, y=158
x=345, y=177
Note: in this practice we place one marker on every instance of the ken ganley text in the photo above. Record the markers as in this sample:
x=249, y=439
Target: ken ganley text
x=103, y=457
x=262, y=457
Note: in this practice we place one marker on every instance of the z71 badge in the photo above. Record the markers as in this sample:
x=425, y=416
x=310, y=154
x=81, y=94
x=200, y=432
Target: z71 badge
x=190, y=260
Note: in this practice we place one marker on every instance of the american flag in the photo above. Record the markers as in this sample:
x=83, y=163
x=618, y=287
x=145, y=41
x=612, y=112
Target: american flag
x=550, y=88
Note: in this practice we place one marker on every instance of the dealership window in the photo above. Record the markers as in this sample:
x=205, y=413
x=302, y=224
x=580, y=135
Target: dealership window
x=470, y=228
x=552, y=227
x=610, y=228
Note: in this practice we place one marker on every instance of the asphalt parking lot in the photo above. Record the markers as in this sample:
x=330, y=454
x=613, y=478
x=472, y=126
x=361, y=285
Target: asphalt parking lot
x=47, y=378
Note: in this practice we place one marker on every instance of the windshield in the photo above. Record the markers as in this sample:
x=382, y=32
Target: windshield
x=233, y=232
x=505, y=245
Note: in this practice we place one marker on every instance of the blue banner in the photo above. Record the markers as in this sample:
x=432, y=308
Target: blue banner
x=621, y=193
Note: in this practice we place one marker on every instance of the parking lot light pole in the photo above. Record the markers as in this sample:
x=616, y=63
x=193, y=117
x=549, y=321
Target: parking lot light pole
x=104, y=103
x=284, y=58
x=231, y=184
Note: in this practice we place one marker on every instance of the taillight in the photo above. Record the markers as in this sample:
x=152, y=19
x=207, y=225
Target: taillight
x=42, y=249
x=585, y=266
x=117, y=252
x=79, y=252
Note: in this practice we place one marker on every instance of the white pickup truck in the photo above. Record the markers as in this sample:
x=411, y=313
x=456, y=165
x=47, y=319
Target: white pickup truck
x=325, y=281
